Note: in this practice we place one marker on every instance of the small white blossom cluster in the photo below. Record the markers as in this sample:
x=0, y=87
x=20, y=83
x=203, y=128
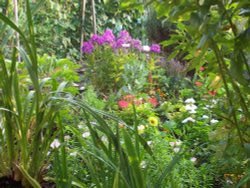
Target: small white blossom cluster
x=146, y=48
x=190, y=106
x=175, y=145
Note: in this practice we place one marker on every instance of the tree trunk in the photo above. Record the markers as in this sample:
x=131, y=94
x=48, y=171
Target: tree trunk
x=93, y=16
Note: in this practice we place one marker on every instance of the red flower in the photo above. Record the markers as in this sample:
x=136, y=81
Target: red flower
x=153, y=101
x=198, y=84
x=123, y=104
x=212, y=93
x=202, y=69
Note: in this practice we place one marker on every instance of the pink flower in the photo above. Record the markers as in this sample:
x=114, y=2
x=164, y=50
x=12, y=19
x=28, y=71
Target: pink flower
x=123, y=104
x=153, y=101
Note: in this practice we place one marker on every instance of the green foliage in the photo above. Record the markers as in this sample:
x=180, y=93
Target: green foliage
x=135, y=76
x=91, y=98
x=57, y=28
x=119, y=70
x=211, y=33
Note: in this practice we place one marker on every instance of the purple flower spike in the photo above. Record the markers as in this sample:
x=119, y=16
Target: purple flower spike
x=108, y=36
x=155, y=48
x=97, y=39
x=88, y=47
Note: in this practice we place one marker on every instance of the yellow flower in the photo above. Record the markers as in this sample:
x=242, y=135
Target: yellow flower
x=153, y=121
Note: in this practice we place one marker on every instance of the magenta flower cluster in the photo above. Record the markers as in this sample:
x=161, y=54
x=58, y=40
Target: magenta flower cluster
x=155, y=48
x=124, y=40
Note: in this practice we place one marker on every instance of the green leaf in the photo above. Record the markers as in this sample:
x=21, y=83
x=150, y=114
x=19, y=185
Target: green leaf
x=237, y=69
x=245, y=179
x=31, y=180
x=168, y=169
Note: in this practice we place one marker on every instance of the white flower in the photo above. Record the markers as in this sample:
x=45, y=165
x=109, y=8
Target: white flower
x=80, y=126
x=190, y=107
x=73, y=154
x=141, y=127
x=176, y=150
x=193, y=159
x=143, y=164
x=214, y=101
x=104, y=139
x=204, y=117
x=66, y=137
x=190, y=101
x=188, y=119
x=178, y=142
x=55, y=144
x=213, y=121
x=192, y=112
x=86, y=134
x=126, y=45
x=145, y=48
x=172, y=144
x=149, y=142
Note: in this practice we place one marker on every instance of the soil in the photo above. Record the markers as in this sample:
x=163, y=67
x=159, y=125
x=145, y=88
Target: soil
x=7, y=182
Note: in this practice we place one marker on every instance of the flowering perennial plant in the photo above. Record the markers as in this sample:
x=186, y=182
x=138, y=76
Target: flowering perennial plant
x=124, y=40
x=116, y=62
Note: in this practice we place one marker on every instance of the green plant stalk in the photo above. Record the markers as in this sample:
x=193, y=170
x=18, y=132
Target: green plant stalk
x=219, y=59
x=58, y=169
x=235, y=35
x=64, y=172
x=7, y=93
x=136, y=132
x=236, y=88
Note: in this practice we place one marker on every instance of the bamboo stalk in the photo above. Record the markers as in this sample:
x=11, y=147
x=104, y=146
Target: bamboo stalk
x=16, y=22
